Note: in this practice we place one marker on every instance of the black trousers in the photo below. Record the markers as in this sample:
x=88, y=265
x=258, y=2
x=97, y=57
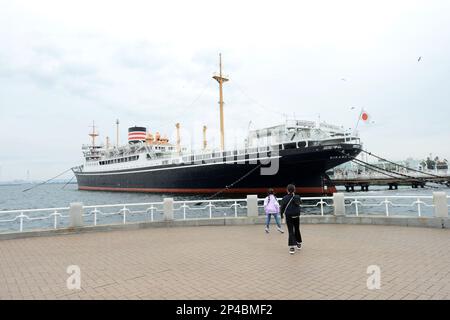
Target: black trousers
x=293, y=226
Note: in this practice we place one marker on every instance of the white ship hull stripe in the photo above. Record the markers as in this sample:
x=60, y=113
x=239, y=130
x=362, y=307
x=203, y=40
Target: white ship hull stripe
x=93, y=173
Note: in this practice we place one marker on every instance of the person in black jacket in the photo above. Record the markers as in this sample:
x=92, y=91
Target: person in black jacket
x=290, y=206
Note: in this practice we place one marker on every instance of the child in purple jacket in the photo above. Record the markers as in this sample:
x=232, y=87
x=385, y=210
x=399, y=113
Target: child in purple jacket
x=271, y=207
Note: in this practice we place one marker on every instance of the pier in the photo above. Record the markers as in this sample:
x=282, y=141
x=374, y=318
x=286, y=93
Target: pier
x=230, y=262
x=217, y=249
x=363, y=181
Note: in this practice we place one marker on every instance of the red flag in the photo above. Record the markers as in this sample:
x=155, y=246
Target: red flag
x=365, y=116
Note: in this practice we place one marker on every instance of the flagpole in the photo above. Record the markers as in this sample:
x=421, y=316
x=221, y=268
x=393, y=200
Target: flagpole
x=359, y=118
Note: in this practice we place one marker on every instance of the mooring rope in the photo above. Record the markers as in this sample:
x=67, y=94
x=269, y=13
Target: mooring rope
x=230, y=185
x=42, y=183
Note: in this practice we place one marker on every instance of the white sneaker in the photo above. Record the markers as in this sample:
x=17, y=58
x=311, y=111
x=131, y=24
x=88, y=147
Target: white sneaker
x=291, y=250
x=280, y=230
x=267, y=230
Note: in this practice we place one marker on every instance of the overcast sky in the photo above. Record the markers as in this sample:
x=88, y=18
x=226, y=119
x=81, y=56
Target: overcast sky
x=64, y=64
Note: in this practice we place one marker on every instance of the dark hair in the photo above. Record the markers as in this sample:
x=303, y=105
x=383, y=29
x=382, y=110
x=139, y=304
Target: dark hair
x=270, y=191
x=291, y=188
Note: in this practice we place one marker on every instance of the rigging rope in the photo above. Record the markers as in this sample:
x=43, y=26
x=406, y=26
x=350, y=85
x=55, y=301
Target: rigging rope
x=423, y=183
x=230, y=185
x=68, y=182
x=407, y=177
x=42, y=183
x=256, y=102
x=408, y=168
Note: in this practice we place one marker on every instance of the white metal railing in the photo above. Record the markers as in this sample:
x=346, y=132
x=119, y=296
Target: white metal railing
x=125, y=213
x=389, y=202
x=54, y=218
x=20, y=216
x=308, y=203
x=219, y=207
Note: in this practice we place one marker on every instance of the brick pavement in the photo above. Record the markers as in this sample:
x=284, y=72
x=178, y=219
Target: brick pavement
x=230, y=262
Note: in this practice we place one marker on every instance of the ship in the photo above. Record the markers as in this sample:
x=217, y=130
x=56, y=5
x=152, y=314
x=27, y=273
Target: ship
x=294, y=151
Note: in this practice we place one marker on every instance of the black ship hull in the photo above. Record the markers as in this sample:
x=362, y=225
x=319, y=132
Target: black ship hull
x=305, y=167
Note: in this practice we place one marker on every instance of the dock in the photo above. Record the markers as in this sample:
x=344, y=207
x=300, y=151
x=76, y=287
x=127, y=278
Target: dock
x=230, y=262
x=166, y=250
x=363, y=181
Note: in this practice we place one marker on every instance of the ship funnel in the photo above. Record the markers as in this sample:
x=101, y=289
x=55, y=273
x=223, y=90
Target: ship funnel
x=136, y=134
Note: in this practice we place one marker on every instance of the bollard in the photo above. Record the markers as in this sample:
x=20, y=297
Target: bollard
x=440, y=204
x=252, y=205
x=76, y=215
x=168, y=208
x=339, y=204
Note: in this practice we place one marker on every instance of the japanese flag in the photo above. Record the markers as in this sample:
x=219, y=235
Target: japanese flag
x=365, y=116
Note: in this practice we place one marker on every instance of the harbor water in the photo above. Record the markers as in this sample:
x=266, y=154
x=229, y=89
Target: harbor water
x=13, y=197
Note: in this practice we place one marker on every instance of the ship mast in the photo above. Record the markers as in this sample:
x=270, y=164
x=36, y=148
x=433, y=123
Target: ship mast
x=93, y=135
x=221, y=79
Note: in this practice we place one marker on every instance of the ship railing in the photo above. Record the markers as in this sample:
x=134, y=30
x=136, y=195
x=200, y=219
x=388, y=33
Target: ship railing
x=110, y=214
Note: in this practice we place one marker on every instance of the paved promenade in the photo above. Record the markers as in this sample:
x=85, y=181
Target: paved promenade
x=230, y=262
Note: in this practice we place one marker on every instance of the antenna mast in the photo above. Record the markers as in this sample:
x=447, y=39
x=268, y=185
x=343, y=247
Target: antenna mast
x=117, y=133
x=221, y=79
x=177, y=125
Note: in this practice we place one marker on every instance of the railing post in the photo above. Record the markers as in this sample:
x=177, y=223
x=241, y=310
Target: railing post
x=418, y=207
x=76, y=214
x=210, y=210
x=235, y=209
x=55, y=220
x=168, y=208
x=184, y=211
x=124, y=215
x=95, y=216
x=339, y=204
x=387, y=207
x=252, y=205
x=321, y=206
x=21, y=222
x=151, y=213
x=440, y=204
